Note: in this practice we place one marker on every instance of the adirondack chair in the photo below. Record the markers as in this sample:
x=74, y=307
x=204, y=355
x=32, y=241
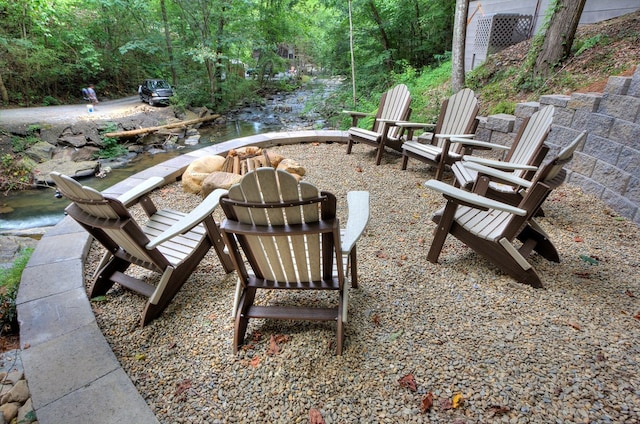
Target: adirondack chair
x=170, y=243
x=522, y=159
x=489, y=227
x=457, y=119
x=290, y=237
x=394, y=107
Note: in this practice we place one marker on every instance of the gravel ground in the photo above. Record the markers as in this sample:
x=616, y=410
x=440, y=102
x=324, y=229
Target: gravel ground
x=460, y=328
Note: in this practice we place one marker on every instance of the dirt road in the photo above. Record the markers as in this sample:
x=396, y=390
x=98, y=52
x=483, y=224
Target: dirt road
x=68, y=113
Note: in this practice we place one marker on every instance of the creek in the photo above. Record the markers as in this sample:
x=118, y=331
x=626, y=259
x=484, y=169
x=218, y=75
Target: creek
x=28, y=209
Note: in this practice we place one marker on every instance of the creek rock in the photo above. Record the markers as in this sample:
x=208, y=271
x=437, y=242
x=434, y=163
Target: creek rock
x=73, y=169
x=41, y=151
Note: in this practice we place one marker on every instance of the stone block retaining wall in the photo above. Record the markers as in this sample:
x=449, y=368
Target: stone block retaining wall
x=608, y=164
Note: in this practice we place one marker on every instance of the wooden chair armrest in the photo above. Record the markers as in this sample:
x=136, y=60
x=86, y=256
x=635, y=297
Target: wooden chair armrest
x=471, y=199
x=478, y=143
x=507, y=166
x=415, y=125
x=358, y=114
x=193, y=218
x=450, y=136
x=131, y=196
x=358, y=204
x=497, y=175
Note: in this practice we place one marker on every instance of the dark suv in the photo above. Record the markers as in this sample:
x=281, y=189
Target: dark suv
x=155, y=91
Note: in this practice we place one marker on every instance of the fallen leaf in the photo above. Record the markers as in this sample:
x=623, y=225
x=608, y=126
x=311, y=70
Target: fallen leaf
x=403, y=257
x=26, y=346
x=574, y=325
x=409, y=382
x=273, y=346
x=582, y=274
x=316, y=144
x=578, y=239
x=637, y=316
x=99, y=299
x=629, y=293
x=394, y=336
x=255, y=361
x=380, y=254
x=183, y=386
x=140, y=356
x=427, y=403
x=498, y=410
x=421, y=240
x=358, y=169
x=315, y=417
x=588, y=259
x=375, y=319
x=172, y=345
x=457, y=400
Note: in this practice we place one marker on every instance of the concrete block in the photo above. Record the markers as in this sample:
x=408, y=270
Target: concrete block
x=45, y=319
x=73, y=361
x=626, y=133
x=582, y=164
x=563, y=116
x=587, y=184
x=585, y=101
x=562, y=136
x=483, y=134
x=504, y=139
x=634, y=86
x=559, y=100
x=610, y=176
x=112, y=399
x=594, y=123
x=633, y=191
x=620, y=204
x=36, y=282
x=620, y=107
x=603, y=149
x=59, y=248
x=526, y=109
x=502, y=122
x=618, y=85
x=629, y=161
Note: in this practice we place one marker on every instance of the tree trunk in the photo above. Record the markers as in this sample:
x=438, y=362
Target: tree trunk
x=383, y=34
x=167, y=36
x=459, y=36
x=558, y=38
x=4, y=95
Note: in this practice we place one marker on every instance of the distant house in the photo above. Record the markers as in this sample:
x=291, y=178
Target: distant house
x=495, y=24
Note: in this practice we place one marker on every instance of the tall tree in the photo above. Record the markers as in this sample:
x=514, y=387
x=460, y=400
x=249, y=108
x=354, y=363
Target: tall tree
x=457, y=50
x=558, y=37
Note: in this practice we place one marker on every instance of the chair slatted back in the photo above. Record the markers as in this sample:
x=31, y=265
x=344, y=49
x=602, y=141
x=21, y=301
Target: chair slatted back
x=458, y=115
x=530, y=139
x=282, y=238
x=394, y=105
x=109, y=221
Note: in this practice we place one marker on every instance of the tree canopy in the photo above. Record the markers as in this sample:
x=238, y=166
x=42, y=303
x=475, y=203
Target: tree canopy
x=48, y=51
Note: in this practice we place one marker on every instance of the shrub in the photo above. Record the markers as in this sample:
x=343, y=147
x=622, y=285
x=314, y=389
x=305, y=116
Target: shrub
x=9, y=283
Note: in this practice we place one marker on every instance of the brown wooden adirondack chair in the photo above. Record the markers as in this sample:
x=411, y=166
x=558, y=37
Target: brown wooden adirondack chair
x=170, y=243
x=450, y=137
x=394, y=107
x=489, y=227
x=289, y=236
x=522, y=159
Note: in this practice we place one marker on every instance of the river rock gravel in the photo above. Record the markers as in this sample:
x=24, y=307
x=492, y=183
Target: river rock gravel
x=482, y=347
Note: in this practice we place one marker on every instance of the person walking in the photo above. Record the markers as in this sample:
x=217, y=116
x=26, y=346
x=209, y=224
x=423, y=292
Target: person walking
x=92, y=95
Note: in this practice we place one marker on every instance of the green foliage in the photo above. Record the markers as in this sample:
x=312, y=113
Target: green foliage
x=504, y=106
x=15, y=173
x=583, y=45
x=111, y=148
x=50, y=101
x=9, y=283
x=20, y=144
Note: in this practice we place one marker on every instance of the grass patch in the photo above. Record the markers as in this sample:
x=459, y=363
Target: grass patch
x=9, y=283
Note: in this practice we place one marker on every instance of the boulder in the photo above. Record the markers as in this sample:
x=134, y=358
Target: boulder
x=41, y=151
x=219, y=180
x=198, y=170
x=73, y=169
x=292, y=167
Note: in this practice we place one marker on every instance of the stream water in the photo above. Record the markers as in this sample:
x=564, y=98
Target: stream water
x=40, y=208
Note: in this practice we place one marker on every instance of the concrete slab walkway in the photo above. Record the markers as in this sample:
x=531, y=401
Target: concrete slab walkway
x=73, y=375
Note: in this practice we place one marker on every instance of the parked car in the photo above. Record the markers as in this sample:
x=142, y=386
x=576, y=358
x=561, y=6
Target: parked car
x=155, y=91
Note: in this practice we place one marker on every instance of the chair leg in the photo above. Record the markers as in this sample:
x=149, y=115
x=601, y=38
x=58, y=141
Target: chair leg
x=102, y=282
x=340, y=326
x=353, y=262
x=379, y=154
x=242, y=319
x=444, y=223
x=405, y=161
x=539, y=241
x=349, y=146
